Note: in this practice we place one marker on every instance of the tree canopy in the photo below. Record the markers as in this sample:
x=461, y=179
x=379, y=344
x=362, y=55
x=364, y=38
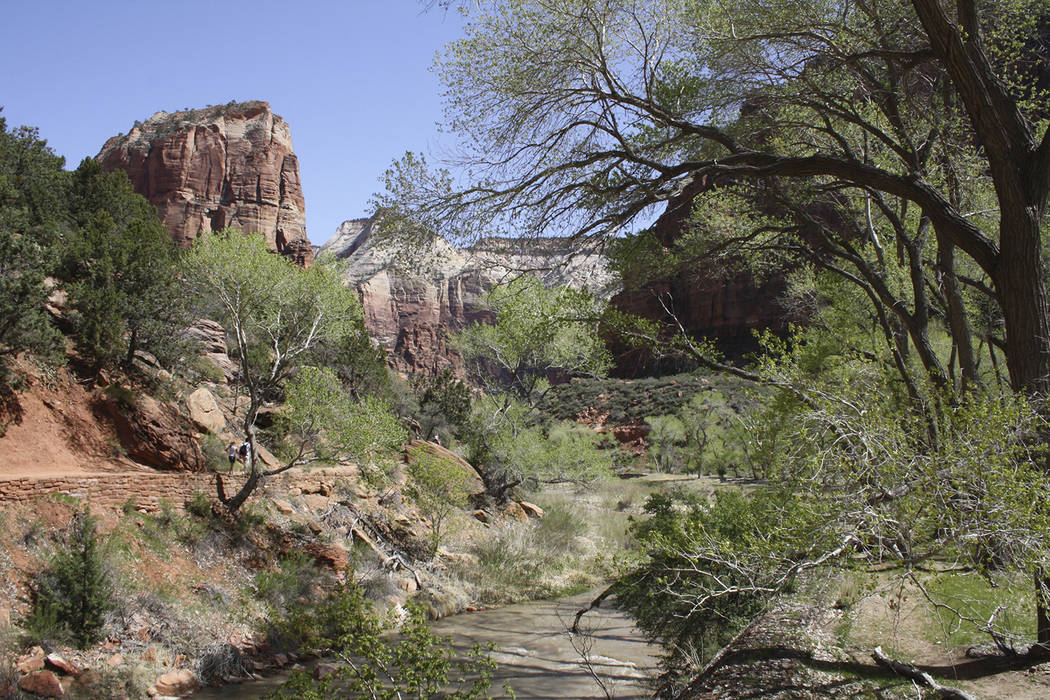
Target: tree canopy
x=581, y=116
x=281, y=318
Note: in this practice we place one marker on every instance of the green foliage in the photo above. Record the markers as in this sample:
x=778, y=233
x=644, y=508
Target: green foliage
x=624, y=401
x=440, y=487
x=666, y=437
x=32, y=211
x=291, y=582
x=711, y=566
x=199, y=505
x=444, y=403
x=513, y=453
x=72, y=594
x=281, y=318
x=119, y=265
x=277, y=315
x=416, y=664
x=538, y=333
x=319, y=421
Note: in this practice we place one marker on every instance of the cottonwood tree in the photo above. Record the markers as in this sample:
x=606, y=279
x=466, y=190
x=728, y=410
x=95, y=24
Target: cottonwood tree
x=580, y=116
x=277, y=317
x=538, y=333
x=929, y=116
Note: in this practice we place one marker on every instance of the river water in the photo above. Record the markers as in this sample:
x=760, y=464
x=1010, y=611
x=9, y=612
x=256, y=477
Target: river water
x=536, y=654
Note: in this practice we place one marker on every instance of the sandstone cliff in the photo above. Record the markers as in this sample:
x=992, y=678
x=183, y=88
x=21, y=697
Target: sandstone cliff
x=725, y=306
x=229, y=165
x=412, y=313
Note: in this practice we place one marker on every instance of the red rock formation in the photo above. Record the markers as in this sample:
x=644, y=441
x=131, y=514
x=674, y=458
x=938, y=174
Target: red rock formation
x=722, y=305
x=154, y=433
x=205, y=169
x=412, y=312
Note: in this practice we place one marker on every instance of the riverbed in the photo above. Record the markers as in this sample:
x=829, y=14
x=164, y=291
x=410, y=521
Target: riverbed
x=537, y=655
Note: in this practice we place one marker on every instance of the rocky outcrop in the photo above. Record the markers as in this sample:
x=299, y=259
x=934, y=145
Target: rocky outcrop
x=205, y=169
x=153, y=433
x=721, y=304
x=205, y=412
x=412, y=312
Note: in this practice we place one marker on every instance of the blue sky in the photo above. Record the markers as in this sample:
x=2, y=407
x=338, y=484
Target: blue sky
x=352, y=78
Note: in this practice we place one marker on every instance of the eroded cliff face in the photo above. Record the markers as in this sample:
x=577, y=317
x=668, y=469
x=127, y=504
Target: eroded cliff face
x=723, y=305
x=205, y=169
x=412, y=309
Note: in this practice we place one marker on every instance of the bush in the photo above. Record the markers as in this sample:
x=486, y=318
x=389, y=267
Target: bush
x=418, y=664
x=72, y=594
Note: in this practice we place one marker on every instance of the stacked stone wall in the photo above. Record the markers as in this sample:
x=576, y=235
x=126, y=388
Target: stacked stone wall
x=146, y=490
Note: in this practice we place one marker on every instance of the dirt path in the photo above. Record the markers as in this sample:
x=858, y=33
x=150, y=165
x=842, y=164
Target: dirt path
x=48, y=430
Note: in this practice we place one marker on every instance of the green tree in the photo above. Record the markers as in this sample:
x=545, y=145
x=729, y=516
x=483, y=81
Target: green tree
x=667, y=436
x=319, y=421
x=444, y=402
x=120, y=265
x=278, y=317
x=440, y=487
x=72, y=594
x=32, y=216
x=539, y=333
x=513, y=452
x=583, y=115
x=415, y=664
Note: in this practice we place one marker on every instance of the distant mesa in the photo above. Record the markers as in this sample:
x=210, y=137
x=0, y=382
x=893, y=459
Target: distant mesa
x=227, y=165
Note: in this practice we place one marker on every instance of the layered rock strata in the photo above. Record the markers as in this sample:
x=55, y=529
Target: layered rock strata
x=412, y=308
x=205, y=169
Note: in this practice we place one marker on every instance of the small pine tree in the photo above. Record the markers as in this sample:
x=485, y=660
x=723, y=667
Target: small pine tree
x=73, y=593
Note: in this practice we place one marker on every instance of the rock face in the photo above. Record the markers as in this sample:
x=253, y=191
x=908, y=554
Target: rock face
x=205, y=169
x=721, y=305
x=412, y=313
x=154, y=433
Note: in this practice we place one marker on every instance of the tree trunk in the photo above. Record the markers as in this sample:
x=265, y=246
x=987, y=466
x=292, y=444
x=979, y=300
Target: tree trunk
x=958, y=322
x=1022, y=299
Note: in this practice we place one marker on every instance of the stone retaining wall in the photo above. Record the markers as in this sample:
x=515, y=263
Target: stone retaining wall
x=147, y=489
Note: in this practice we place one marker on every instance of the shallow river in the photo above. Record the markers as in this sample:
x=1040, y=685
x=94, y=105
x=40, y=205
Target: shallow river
x=536, y=653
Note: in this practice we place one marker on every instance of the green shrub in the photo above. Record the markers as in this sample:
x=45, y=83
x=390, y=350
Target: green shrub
x=558, y=529
x=215, y=454
x=122, y=395
x=199, y=505
x=72, y=594
x=415, y=664
x=290, y=581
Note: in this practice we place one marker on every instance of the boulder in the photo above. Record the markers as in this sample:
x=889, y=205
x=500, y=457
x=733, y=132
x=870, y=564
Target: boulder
x=514, y=510
x=416, y=447
x=332, y=556
x=210, y=335
x=205, y=412
x=531, y=509
x=177, y=683
x=31, y=661
x=154, y=433
x=283, y=506
x=42, y=683
x=58, y=663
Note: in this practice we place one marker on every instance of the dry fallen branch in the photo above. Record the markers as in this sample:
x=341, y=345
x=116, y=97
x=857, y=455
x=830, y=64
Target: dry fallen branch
x=919, y=676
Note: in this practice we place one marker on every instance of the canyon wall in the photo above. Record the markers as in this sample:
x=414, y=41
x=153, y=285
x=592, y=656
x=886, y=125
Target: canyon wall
x=205, y=169
x=412, y=304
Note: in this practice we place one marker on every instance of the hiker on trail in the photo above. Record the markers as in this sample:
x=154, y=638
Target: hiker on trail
x=232, y=454
x=245, y=452
x=437, y=439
